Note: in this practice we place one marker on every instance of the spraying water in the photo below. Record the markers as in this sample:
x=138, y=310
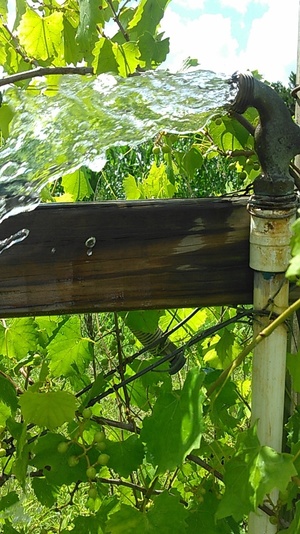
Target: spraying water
x=52, y=136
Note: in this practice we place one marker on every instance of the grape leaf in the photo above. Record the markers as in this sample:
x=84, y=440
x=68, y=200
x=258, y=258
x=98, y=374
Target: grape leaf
x=6, y=114
x=44, y=455
x=68, y=351
x=104, y=57
x=153, y=51
x=3, y=9
x=88, y=525
x=77, y=184
x=294, y=527
x=18, y=338
x=125, y=456
x=175, y=426
x=71, y=48
x=21, y=6
x=45, y=492
x=132, y=191
x=95, y=524
x=9, y=529
x=143, y=320
x=293, y=366
x=253, y=472
x=127, y=57
x=157, y=183
x=3, y=45
x=87, y=34
x=22, y=454
x=192, y=160
x=49, y=410
x=229, y=134
x=128, y=520
x=203, y=518
x=167, y=514
x=8, y=393
x=8, y=500
x=41, y=37
x=5, y=413
x=146, y=17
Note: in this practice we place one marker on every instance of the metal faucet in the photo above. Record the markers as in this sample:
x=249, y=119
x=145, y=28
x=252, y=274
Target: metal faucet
x=277, y=137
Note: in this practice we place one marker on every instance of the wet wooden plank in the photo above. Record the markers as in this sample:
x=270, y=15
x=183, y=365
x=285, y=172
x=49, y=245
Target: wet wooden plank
x=149, y=254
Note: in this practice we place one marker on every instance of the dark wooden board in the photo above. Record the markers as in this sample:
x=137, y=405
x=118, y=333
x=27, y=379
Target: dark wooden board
x=148, y=254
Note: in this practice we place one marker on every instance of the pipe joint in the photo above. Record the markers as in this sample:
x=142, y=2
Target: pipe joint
x=270, y=235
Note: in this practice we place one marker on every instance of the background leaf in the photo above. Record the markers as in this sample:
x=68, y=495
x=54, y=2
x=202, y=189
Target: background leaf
x=253, y=472
x=48, y=410
x=175, y=426
x=18, y=337
x=42, y=36
x=125, y=456
x=68, y=351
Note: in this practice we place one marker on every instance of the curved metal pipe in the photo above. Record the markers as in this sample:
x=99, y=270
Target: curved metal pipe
x=277, y=137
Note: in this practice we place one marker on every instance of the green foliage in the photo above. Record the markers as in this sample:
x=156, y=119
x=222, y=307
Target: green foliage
x=54, y=34
x=125, y=456
x=41, y=37
x=251, y=474
x=293, y=270
x=165, y=505
x=48, y=410
x=156, y=185
x=175, y=425
x=103, y=440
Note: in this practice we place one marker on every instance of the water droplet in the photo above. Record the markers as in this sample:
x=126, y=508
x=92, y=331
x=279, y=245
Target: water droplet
x=53, y=250
x=90, y=252
x=90, y=242
x=13, y=239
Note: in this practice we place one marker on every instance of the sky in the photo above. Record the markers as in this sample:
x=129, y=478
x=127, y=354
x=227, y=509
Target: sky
x=230, y=35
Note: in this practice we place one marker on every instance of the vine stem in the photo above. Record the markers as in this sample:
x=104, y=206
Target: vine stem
x=44, y=71
x=117, y=20
x=267, y=331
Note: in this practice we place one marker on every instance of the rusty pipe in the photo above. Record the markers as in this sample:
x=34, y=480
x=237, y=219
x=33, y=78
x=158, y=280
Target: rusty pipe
x=277, y=136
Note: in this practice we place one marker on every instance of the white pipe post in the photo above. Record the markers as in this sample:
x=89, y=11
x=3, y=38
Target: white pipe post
x=270, y=233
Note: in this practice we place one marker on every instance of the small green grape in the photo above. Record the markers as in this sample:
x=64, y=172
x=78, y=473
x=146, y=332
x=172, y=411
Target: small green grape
x=166, y=149
x=103, y=459
x=91, y=473
x=156, y=150
x=218, y=121
x=2, y=452
x=87, y=413
x=99, y=436
x=256, y=166
x=73, y=460
x=93, y=493
x=273, y=520
x=62, y=447
x=37, y=359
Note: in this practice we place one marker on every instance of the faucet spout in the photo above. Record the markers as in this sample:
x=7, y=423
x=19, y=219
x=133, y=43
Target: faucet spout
x=277, y=136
